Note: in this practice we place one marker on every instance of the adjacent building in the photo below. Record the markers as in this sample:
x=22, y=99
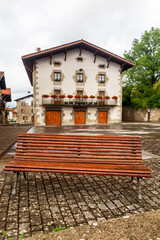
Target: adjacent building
x=25, y=109
x=5, y=96
x=12, y=114
x=76, y=83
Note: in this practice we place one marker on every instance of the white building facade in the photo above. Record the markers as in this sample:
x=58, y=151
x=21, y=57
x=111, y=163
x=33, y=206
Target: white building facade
x=89, y=75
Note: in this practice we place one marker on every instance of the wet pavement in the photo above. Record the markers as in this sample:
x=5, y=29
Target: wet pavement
x=43, y=201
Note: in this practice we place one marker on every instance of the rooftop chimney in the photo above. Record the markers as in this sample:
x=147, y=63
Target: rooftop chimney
x=38, y=49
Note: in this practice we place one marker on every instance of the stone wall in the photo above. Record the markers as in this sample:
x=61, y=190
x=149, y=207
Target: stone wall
x=140, y=115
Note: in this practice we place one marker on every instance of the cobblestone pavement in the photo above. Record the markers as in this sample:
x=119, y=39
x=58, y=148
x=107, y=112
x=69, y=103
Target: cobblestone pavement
x=43, y=201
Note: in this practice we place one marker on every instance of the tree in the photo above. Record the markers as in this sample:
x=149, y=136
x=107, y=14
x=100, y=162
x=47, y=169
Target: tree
x=145, y=53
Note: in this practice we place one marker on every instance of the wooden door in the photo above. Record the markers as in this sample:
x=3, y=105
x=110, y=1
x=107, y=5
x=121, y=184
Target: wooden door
x=53, y=118
x=32, y=119
x=102, y=116
x=80, y=117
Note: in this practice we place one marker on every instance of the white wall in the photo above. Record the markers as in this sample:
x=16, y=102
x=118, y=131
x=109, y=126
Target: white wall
x=44, y=85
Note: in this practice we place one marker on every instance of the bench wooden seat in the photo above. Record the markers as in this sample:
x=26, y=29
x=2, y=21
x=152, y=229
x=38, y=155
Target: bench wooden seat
x=79, y=154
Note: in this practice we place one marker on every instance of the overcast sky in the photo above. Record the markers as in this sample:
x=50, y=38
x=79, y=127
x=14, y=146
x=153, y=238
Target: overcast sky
x=28, y=24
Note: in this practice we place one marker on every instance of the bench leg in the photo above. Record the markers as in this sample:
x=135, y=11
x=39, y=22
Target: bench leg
x=139, y=188
x=15, y=184
x=24, y=175
x=132, y=179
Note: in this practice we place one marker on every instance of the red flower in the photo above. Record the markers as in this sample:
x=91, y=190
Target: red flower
x=85, y=96
x=78, y=96
x=62, y=96
x=54, y=96
x=107, y=97
x=99, y=97
x=115, y=97
x=70, y=96
x=92, y=96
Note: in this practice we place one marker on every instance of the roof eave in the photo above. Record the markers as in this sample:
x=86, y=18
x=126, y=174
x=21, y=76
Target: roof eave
x=30, y=58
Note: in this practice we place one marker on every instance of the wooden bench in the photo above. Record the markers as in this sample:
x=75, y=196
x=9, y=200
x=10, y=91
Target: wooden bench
x=79, y=154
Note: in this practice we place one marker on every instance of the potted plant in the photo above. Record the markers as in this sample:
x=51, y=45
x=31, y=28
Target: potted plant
x=70, y=96
x=77, y=96
x=107, y=97
x=115, y=97
x=85, y=96
x=92, y=97
x=54, y=96
x=99, y=97
x=62, y=96
x=45, y=95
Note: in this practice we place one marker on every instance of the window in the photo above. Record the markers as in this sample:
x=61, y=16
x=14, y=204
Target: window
x=79, y=77
x=22, y=103
x=101, y=78
x=22, y=110
x=25, y=118
x=57, y=76
x=101, y=66
x=79, y=59
x=57, y=64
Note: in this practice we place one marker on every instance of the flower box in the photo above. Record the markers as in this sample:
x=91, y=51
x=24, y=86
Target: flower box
x=115, y=97
x=54, y=96
x=70, y=96
x=45, y=95
x=85, y=96
x=107, y=97
x=92, y=97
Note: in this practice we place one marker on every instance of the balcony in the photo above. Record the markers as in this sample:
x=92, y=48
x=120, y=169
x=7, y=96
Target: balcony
x=78, y=102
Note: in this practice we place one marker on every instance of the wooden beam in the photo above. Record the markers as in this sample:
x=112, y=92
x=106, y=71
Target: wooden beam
x=80, y=51
x=95, y=56
x=122, y=67
x=30, y=69
x=65, y=55
x=50, y=59
x=108, y=61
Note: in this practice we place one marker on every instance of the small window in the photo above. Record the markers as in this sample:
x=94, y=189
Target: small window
x=101, y=65
x=79, y=59
x=79, y=77
x=57, y=64
x=101, y=78
x=22, y=103
x=57, y=76
x=25, y=118
x=22, y=110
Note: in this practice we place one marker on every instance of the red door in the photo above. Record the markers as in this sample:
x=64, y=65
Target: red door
x=53, y=118
x=80, y=117
x=102, y=117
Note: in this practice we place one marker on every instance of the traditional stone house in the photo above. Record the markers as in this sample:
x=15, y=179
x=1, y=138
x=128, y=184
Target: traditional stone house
x=5, y=96
x=79, y=70
x=25, y=109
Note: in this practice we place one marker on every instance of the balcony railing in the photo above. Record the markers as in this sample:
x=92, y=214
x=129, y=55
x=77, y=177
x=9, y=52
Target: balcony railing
x=79, y=102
